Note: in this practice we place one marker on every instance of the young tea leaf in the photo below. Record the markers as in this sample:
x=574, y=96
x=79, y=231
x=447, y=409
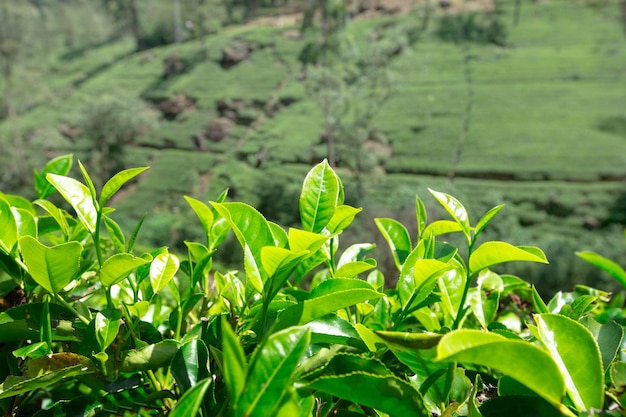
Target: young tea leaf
x=113, y=185
x=79, y=197
x=60, y=165
x=493, y=253
x=319, y=197
x=162, y=269
x=51, y=267
x=397, y=238
x=191, y=401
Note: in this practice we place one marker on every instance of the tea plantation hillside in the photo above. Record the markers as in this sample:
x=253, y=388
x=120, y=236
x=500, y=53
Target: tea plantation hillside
x=531, y=113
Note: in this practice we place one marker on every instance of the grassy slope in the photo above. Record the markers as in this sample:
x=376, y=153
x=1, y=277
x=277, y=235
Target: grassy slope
x=535, y=113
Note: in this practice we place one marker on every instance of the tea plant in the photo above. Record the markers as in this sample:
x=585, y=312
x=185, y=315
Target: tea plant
x=92, y=326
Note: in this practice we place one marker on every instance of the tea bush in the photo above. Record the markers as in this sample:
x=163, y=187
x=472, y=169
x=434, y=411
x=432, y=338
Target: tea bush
x=90, y=325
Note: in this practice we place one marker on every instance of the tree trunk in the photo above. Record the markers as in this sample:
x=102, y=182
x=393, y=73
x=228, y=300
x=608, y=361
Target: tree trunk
x=135, y=26
x=178, y=29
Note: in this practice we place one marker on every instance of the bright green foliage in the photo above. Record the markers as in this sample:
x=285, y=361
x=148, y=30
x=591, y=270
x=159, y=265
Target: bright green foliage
x=305, y=327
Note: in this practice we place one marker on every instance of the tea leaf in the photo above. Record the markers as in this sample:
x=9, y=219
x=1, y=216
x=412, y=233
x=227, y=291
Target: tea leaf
x=525, y=362
x=270, y=371
x=319, y=197
x=577, y=355
x=51, y=267
x=79, y=197
x=113, y=185
x=493, y=253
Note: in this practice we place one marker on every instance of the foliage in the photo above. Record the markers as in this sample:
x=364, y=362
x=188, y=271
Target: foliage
x=93, y=326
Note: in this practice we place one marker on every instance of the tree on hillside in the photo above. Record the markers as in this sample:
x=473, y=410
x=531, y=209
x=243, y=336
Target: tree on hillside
x=126, y=11
x=14, y=19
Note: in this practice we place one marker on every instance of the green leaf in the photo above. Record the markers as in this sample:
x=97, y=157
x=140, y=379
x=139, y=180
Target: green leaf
x=189, y=365
x=271, y=370
x=191, y=401
x=538, y=303
x=330, y=296
x=36, y=350
x=151, y=357
x=416, y=288
x=397, y=238
x=113, y=185
x=487, y=217
x=605, y=264
x=523, y=361
x=162, y=269
x=332, y=329
x=60, y=165
x=485, y=297
x=386, y=393
x=421, y=215
x=8, y=227
x=301, y=240
x=49, y=371
x=319, y=197
x=106, y=326
x=577, y=355
x=204, y=213
x=56, y=213
x=79, y=197
x=51, y=267
x=342, y=218
x=418, y=340
x=278, y=259
x=118, y=267
x=116, y=234
x=492, y=253
x=455, y=209
x=353, y=269
x=442, y=227
x=253, y=233
x=234, y=362
x=25, y=221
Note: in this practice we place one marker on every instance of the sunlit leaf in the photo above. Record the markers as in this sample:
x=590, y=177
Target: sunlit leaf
x=106, y=326
x=51, y=267
x=113, y=185
x=342, y=218
x=615, y=270
x=270, y=371
x=523, y=361
x=319, y=197
x=577, y=355
x=8, y=228
x=60, y=165
x=397, y=238
x=454, y=208
x=79, y=197
x=487, y=217
x=162, y=269
x=493, y=253
x=118, y=267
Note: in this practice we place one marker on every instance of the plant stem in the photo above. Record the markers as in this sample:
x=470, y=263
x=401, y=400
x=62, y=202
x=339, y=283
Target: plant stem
x=72, y=309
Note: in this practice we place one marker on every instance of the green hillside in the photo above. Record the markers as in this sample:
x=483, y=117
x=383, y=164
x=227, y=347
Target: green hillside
x=537, y=121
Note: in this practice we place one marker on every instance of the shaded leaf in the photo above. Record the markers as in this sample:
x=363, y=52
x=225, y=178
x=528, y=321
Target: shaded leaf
x=386, y=393
x=191, y=401
x=150, y=357
x=60, y=165
x=615, y=270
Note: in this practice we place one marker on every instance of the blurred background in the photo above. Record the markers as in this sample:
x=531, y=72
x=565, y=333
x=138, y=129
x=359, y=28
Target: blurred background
x=494, y=101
